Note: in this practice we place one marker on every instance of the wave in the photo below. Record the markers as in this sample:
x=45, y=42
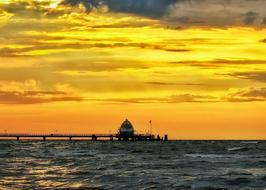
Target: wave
x=239, y=181
x=250, y=142
x=238, y=173
x=205, y=155
x=197, y=165
x=237, y=148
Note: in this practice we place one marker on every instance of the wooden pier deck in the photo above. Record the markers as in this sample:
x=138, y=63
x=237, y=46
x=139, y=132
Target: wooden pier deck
x=93, y=137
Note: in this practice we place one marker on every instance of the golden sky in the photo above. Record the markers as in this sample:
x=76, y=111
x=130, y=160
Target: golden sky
x=197, y=69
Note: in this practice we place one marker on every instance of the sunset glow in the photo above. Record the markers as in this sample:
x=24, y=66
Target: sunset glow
x=69, y=66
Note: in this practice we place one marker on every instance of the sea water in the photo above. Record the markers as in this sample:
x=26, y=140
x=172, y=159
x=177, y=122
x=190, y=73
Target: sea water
x=132, y=165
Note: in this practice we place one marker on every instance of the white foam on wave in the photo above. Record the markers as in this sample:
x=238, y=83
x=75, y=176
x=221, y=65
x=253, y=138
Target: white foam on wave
x=249, y=142
x=236, y=148
x=205, y=155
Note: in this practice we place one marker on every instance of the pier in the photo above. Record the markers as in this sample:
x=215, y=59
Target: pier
x=92, y=137
x=125, y=132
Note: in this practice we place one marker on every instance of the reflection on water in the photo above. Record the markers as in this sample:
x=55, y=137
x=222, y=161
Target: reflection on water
x=132, y=165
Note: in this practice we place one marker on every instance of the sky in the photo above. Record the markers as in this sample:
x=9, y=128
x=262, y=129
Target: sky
x=196, y=68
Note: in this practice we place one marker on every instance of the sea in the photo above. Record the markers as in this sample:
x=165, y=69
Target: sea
x=78, y=165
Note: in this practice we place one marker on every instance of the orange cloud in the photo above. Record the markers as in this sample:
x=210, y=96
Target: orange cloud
x=35, y=97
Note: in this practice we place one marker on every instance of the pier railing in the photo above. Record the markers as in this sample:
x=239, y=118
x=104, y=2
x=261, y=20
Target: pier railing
x=53, y=135
x=70, y=136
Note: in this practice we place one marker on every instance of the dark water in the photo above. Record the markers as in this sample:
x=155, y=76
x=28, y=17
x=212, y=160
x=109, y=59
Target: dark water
x=132, y=165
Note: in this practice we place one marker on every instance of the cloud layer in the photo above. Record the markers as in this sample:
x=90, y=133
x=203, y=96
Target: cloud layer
x=35, y=97
x=163, y=51
x=153, y=8
x=173, y=13
x=188, y=13
x=218, y=13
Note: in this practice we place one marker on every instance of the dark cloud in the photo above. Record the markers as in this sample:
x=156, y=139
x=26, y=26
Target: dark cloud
x=152, y=8
x=248, y=95
x=236, y=62
x=217, y=13
x=186, y=12
x=257, y=76
x=264, y=21
x=219, y=63
x=253, y=92
x=35, y=97
x=251, y=17
x=18, y=52
x=176, y=14
x=189, y=98
x=9, y=52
